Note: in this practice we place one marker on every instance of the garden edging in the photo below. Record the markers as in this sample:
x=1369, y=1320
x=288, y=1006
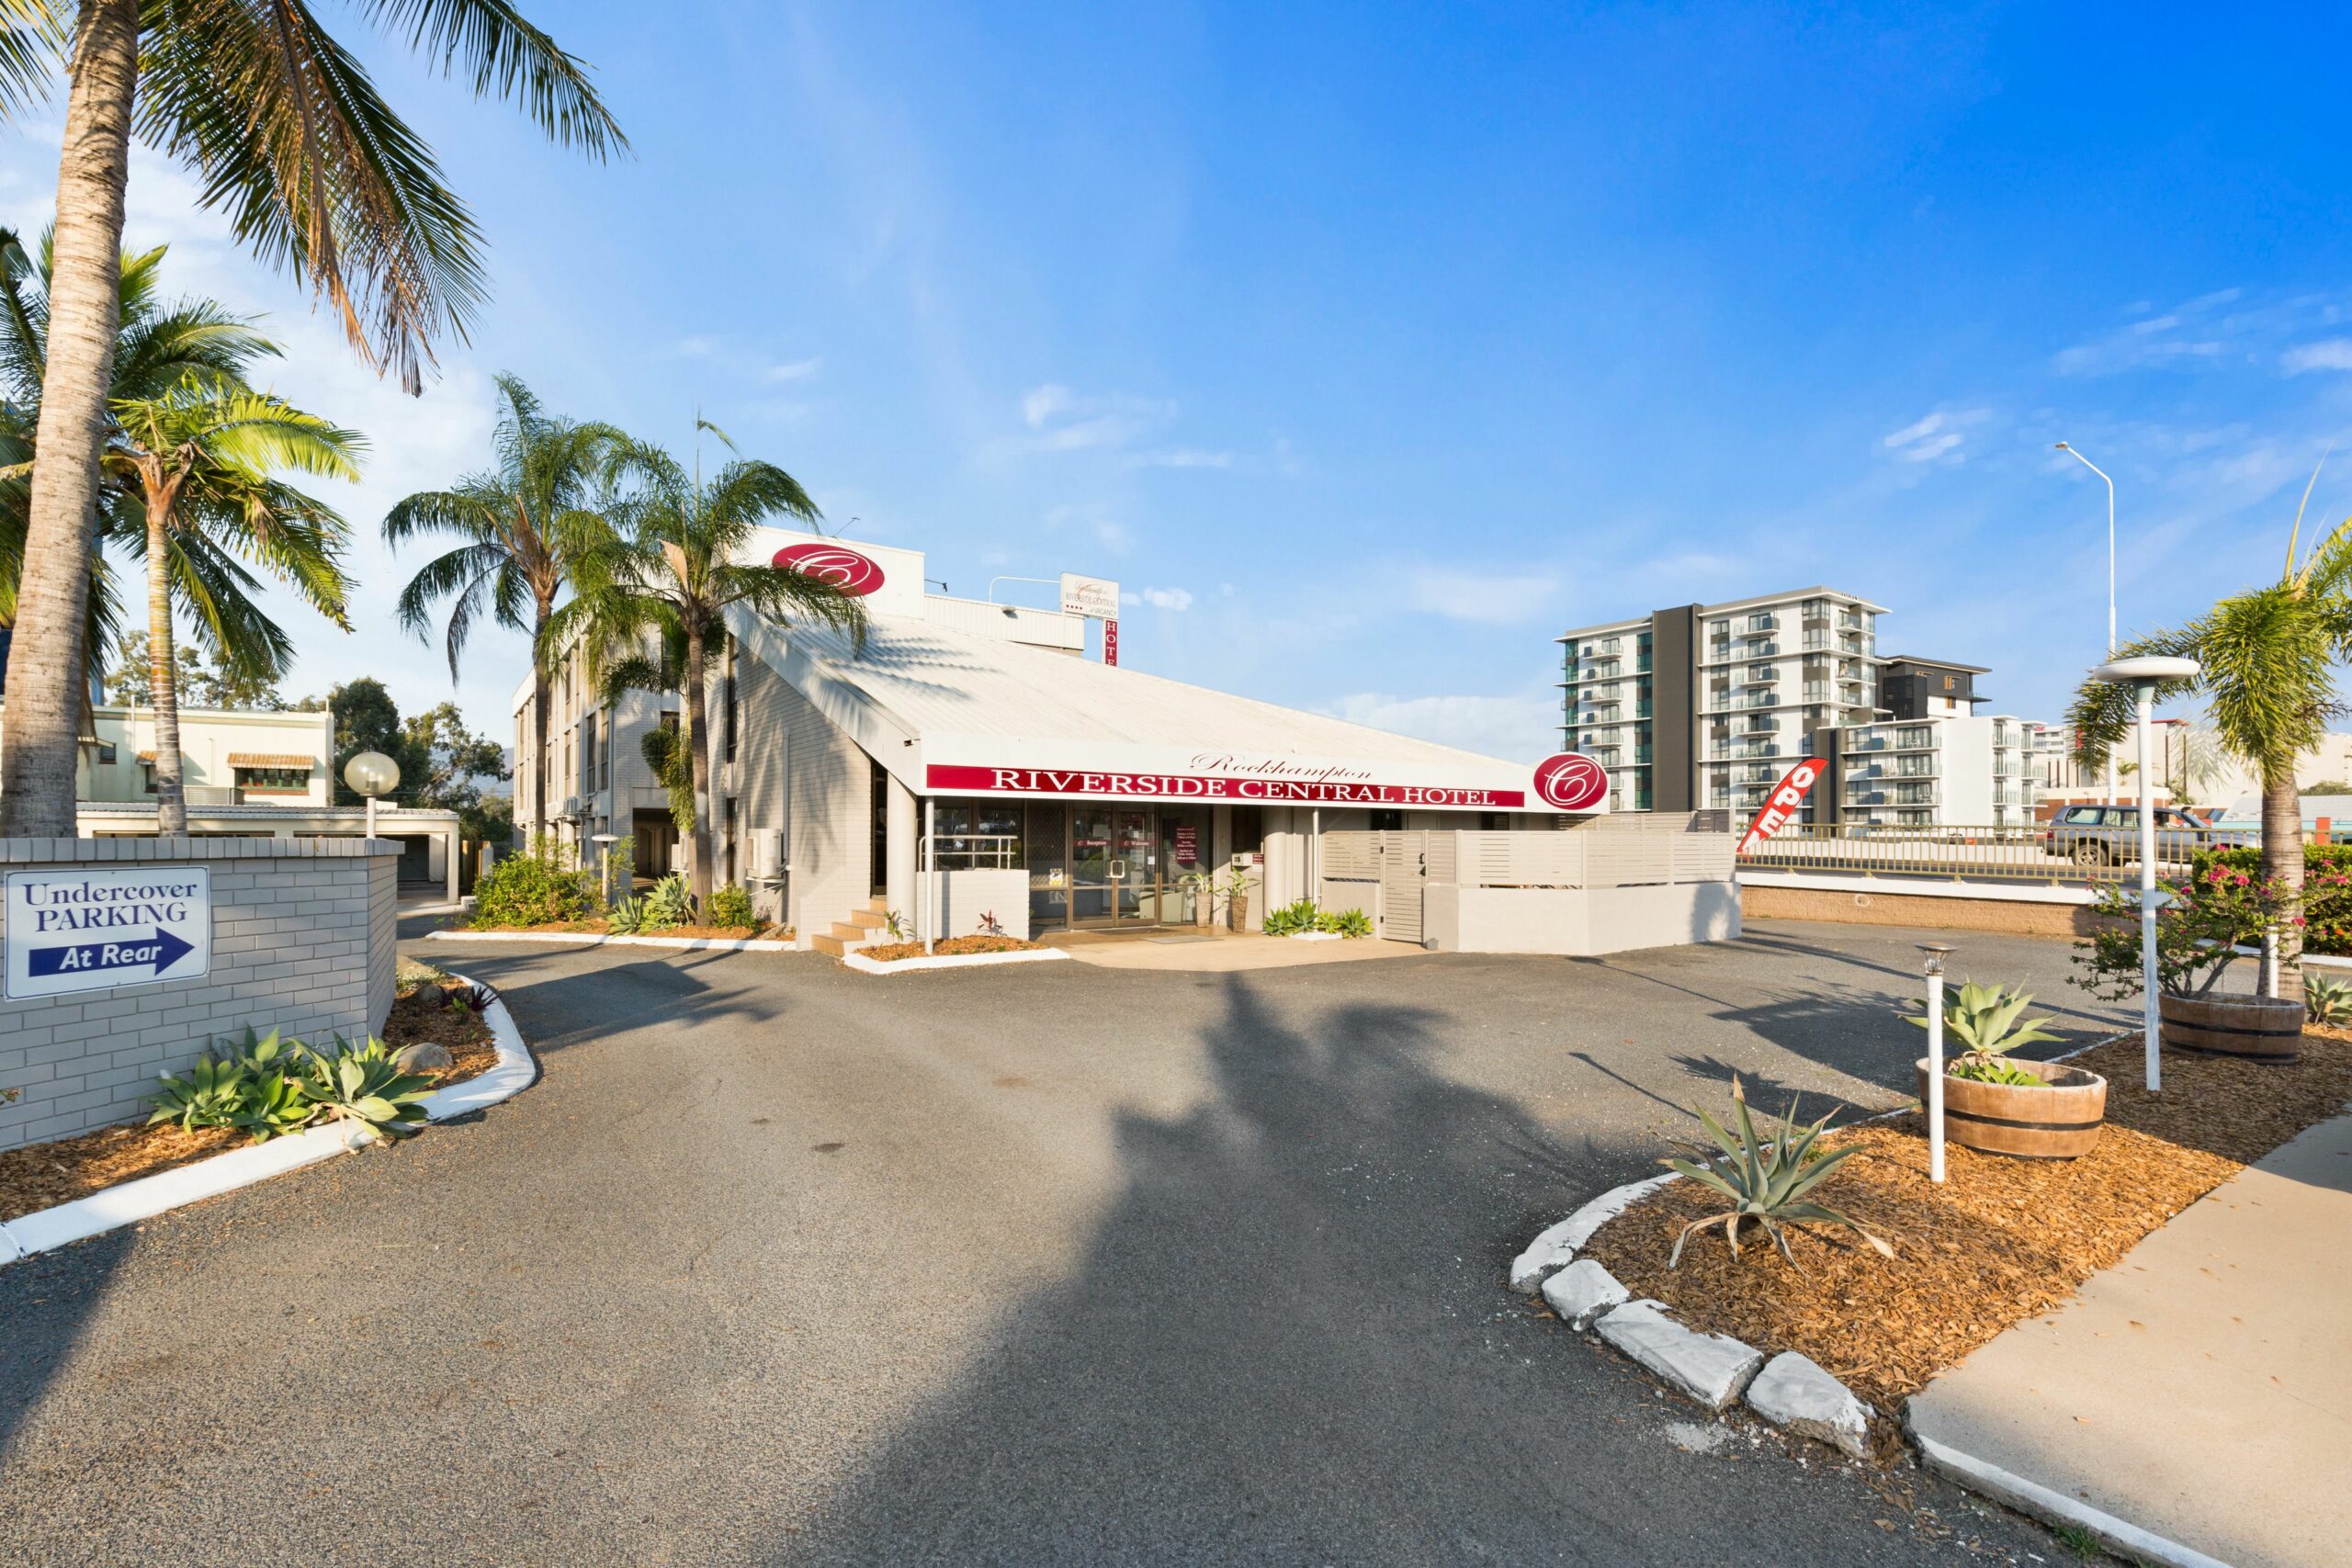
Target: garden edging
x=865, y=965
x=600, y=939
x=1600, y=1296
x=44, y=1230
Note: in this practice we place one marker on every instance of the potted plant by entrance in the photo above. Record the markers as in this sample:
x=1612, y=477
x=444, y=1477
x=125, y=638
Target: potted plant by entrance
x=1200, y=886
x=2029, y=1109
x=2206, y=923
x=1235, y=885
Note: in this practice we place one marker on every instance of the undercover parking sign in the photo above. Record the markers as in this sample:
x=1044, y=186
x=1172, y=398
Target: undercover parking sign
x=94, y=931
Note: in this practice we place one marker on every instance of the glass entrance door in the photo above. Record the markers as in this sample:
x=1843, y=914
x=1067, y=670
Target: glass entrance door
x=1115, y=866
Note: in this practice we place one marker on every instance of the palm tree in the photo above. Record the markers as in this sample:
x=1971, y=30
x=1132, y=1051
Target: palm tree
x=667, y=579
x=201, y=458
x=2266, y=659
x=289, y=135
x=157, y=344
x=521, y=524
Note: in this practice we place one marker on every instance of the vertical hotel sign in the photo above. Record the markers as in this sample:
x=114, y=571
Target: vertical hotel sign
x=1097, y=598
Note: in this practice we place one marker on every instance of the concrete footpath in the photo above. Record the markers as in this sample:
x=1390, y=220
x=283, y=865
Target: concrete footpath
x=2201, y=1389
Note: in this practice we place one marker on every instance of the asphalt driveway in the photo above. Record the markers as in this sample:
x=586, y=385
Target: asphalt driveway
x=1044, y=1264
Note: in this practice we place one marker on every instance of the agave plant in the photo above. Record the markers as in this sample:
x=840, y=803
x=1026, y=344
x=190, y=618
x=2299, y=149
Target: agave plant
x=1766, y=1180
x=1985, y=1021
x=2328, y=1001
x=471, y=999
x=363, y=1083
x=668, y=905
x=627, y=917
x=214, y=1094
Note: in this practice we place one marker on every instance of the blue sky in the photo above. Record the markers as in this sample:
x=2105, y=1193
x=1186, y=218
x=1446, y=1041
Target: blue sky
x=1374, y=347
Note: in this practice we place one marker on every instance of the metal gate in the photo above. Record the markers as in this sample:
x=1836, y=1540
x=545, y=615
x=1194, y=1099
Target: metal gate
x=1404, y=873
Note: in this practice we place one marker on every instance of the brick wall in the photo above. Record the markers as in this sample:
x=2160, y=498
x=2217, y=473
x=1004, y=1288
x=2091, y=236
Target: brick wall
x=303, y=942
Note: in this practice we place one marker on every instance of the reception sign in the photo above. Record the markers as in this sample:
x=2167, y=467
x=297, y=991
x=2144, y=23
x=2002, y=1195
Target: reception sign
x=92, y=931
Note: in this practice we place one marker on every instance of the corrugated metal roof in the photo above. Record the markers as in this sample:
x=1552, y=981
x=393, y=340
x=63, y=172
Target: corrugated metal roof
x=938, y=680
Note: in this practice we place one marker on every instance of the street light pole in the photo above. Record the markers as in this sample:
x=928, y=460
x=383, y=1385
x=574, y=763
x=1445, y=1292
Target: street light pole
x=2094, y=468
x=2142, y=675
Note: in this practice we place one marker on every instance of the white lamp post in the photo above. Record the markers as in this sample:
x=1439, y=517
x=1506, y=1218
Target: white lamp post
x=2142, y=676
x=2110, y=581
x=604, y=842
x=1935, y=952
x=372, y=773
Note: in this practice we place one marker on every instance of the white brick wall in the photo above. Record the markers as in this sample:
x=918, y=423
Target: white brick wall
x=303, y=942
x=796, y=770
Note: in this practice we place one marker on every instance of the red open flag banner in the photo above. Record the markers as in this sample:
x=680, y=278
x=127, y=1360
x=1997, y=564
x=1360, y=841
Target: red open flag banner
x=1781, y=804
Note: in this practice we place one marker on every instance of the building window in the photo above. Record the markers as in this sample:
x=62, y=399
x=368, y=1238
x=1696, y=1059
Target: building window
x=729, y=721
x=1494, y=821
x=147, y=777
x=274, y=781
x=106, y=752
x=1387, y=821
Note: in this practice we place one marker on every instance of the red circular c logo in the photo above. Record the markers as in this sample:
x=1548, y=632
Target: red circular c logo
x=853, y=573
x=1571, y=781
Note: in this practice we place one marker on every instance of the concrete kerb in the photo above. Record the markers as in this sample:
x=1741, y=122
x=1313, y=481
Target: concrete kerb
x=2119, y=1536
x=61, y=1224
x=865, y=965
x=597, y=939
x=1555, y=1250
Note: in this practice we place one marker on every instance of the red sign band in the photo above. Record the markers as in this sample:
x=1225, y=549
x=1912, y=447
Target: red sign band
x=1200, y=786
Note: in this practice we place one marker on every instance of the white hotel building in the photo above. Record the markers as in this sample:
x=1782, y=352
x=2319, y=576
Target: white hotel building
x=1060, y=790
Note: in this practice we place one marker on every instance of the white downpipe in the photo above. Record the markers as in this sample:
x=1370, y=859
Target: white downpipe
x=930, y=875
x=2146, y=691
x=1315, y=856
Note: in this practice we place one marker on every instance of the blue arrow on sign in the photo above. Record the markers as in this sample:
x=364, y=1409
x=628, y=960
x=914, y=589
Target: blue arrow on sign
x=157, y=954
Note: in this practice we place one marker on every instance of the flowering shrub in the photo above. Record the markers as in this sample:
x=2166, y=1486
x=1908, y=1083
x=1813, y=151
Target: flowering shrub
x=2207, y=915
x=2327, y=889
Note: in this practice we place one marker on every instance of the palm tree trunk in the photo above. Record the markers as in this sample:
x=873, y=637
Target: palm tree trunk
x=162, y=678
x=698, y=772
x=541, y=694
x=47, y=652
x=2282, y=860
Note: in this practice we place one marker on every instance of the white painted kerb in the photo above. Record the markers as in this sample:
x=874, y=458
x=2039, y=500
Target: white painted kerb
x=594, y=938
x=865, y=965
x=131, y=1202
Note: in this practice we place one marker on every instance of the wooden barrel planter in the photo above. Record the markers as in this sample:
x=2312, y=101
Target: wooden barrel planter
x=2268, y=1030
x=2059, y=1121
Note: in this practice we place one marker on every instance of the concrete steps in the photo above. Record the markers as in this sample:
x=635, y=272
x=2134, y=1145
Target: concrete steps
x=853, y=929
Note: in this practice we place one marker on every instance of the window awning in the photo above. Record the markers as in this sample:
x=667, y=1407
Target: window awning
x=271, y=760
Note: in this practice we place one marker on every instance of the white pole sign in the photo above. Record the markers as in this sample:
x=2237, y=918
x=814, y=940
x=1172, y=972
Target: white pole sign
x=92, y=931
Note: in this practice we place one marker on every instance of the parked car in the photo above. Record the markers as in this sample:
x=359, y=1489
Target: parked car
x=2110, y=835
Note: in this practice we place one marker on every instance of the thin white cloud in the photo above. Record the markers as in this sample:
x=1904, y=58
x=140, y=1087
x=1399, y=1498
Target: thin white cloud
x=1521, y=726
x=1168, y=598
x=1939, y=436
x=797, y=371
x=1490, y=598
x=1062, y=420
x=697, y=346
x=1182, y=457
x=2330, y=354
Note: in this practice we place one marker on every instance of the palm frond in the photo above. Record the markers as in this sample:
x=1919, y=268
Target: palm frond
x=511, y=60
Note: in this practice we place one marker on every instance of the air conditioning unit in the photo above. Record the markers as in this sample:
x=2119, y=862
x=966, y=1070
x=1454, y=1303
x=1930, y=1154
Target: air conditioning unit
x=768, y=855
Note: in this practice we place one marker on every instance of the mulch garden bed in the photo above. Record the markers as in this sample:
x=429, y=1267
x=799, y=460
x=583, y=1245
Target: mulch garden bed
x=953, y=947
x=41, y=1175
x=2002, y=1240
